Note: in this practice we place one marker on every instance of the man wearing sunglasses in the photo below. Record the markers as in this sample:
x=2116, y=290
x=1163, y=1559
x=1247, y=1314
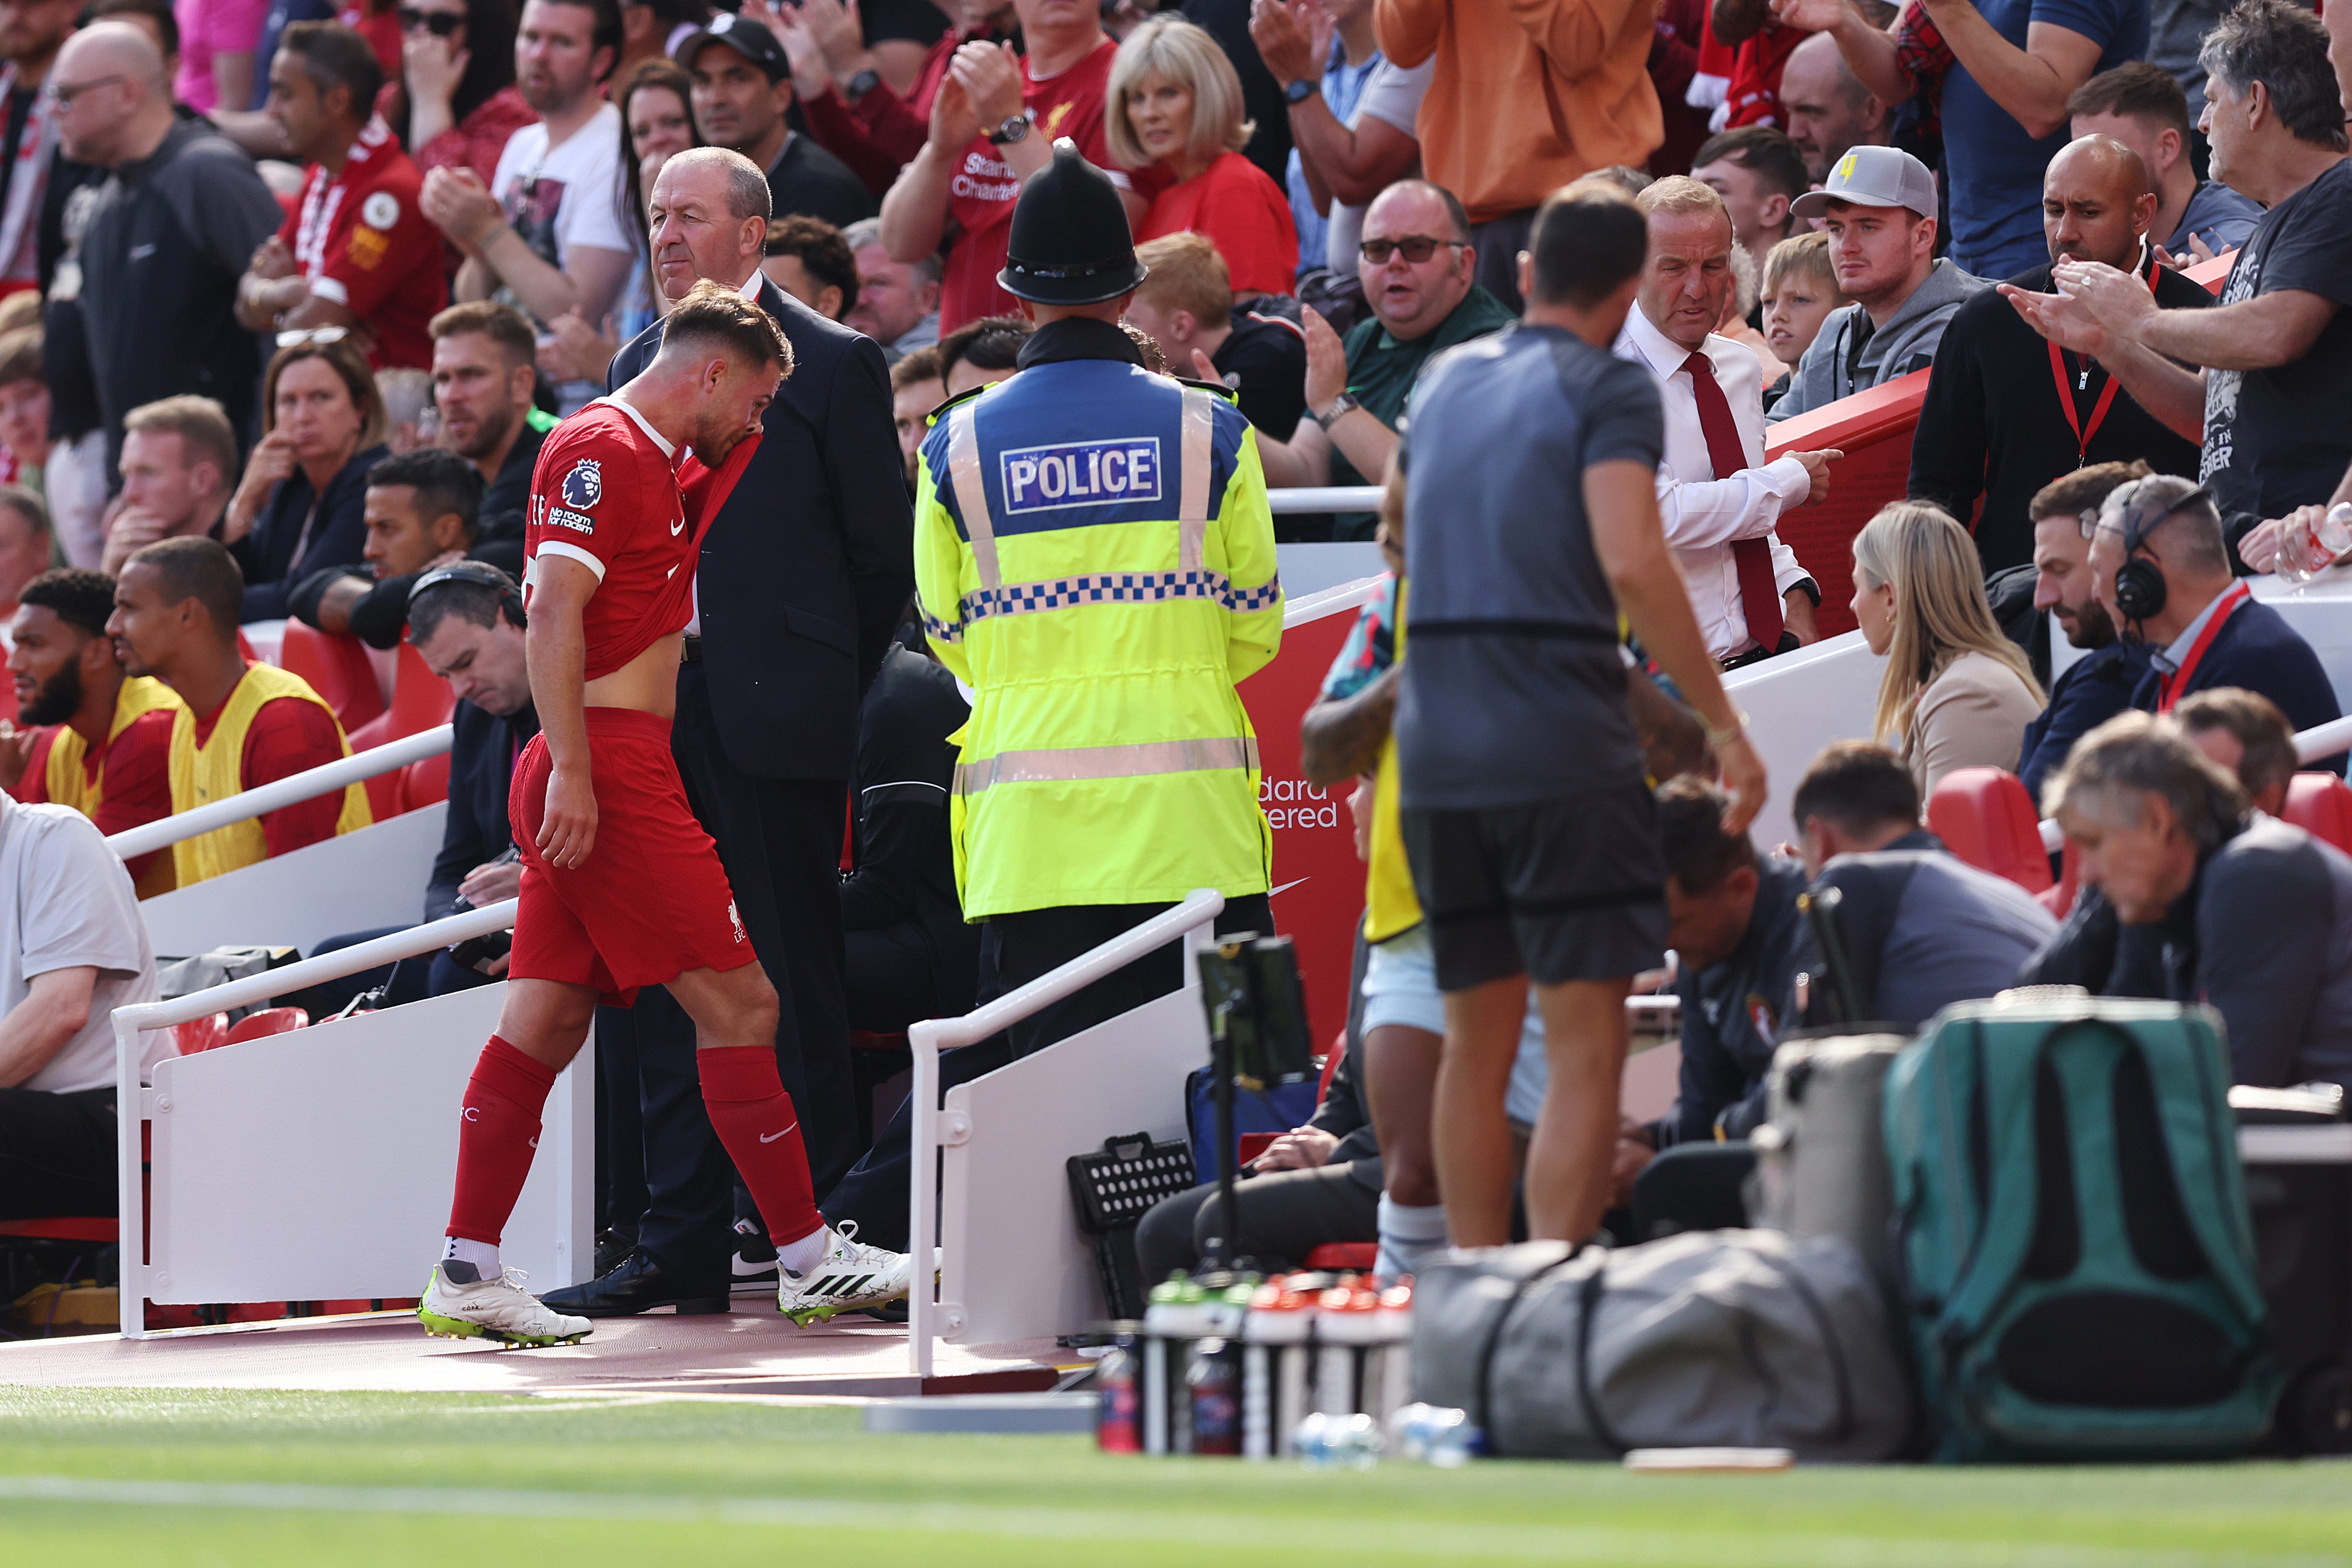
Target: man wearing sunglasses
x=357, y=254
x=1418, y=270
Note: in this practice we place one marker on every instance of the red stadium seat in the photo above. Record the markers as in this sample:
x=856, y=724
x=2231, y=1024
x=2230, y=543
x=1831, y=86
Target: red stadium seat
x=420, y=699
x=1253, y=1144
x=1984, y=817
x=2321, y=805
x=104, y=1228
x=268, y=1021
x=339, y=670
x=201, y=1033
x=2059, y=897
x=422, y=783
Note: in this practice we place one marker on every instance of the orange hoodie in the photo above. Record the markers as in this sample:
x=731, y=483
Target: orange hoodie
x=1528, y=94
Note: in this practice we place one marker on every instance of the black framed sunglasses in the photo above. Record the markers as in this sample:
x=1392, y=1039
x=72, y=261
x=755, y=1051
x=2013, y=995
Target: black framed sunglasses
x=440, y=23
x=1417, y=249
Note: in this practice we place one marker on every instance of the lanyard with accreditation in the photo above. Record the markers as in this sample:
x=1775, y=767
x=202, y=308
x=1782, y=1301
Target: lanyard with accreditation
x=2173, y=687
x=2083, y=432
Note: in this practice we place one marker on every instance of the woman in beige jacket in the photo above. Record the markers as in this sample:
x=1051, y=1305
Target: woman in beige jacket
x=1957, y=693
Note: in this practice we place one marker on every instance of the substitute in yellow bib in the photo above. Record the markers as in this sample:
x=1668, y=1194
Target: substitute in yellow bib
x=1095, y=558
x=85, y=735
x=242, y=725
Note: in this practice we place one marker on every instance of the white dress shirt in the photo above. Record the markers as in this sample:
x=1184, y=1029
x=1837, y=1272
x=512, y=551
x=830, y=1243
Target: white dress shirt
x=1703, y=514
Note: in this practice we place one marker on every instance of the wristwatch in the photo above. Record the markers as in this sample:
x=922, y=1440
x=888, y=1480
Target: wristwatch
x=1339, y=408
x=1012, y=131
x=863, y=82
x=1299, y=92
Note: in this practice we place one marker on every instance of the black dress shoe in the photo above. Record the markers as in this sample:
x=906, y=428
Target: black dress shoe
x=639, y=1285
x=612, y=1248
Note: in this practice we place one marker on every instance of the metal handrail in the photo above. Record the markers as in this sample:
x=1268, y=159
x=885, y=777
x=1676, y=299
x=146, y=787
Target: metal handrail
x=1324, y=497
x=357, y=768
x=927, y=1039
x=2321, y=741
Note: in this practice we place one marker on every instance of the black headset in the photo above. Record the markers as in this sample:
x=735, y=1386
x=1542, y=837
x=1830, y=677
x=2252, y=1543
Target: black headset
x=2140, y=588
x=480, y=573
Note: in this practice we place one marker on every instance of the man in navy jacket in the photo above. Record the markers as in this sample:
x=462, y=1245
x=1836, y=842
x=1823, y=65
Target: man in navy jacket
x=2162, y=571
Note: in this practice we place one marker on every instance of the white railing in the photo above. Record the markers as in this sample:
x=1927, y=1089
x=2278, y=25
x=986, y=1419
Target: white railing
x=131, y=1023
x=357, y=768
x=2315, y=745
x=1324, y=497
x=1191, y=921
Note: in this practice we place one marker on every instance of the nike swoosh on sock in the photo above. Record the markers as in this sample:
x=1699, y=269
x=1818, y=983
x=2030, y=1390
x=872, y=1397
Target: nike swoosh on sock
x=772, y=1136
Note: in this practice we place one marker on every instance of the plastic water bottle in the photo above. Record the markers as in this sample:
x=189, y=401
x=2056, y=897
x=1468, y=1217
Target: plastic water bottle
x=1435, y=1435
x=1327, y=1442
x=1274, y=1369
x=1118, y=1415
x=1217, y=1402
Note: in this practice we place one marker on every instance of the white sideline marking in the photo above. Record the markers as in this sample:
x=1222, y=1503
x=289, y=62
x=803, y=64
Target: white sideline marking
x=1258, y=1532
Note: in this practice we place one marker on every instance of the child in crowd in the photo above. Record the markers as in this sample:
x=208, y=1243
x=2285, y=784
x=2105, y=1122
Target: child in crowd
x=1800, y=291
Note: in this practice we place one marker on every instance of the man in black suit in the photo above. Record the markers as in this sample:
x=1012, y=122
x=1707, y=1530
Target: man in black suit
x=803, y=575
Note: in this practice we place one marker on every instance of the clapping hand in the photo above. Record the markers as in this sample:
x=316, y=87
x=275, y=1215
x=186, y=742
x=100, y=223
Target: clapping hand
x=2064, y=319
x=16, y=752
x=991, y=77
x=1808, y=16
x=954, y=122
x=460, y=206
x=1326, y=360
x=1282, y=42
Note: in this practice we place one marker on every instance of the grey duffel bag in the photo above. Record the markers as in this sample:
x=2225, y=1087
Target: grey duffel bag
x=1721, y=1338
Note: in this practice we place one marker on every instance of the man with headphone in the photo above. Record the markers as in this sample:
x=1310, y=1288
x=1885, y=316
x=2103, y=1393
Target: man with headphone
x=2160, y=567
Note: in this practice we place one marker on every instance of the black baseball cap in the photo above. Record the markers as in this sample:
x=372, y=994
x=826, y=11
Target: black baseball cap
x=745, y=36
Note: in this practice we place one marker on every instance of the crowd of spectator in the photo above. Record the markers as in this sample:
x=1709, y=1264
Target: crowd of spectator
x=295, y=300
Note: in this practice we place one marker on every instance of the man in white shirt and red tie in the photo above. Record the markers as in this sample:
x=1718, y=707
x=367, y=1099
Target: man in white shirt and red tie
x=1716, y=496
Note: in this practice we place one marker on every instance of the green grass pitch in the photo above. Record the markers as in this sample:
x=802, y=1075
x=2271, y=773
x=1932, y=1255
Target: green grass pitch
x=259, y=1480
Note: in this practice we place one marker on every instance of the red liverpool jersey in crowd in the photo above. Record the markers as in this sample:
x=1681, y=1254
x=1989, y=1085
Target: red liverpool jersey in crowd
x=360, y=241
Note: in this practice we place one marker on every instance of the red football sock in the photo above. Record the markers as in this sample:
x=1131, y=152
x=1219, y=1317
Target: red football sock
x=755, y=1119
x=496, y=1138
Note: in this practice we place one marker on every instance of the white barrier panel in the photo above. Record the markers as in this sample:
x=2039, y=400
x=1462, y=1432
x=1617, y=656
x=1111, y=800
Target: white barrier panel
x=316, y=1165
x=353, y=881
x=1018, y=1266
x=1796, y=704
x=2322, y=614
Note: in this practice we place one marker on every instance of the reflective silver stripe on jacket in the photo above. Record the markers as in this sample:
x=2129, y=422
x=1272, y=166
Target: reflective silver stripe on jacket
x=1193, y=451
x=1148, y=759
x=971, y=493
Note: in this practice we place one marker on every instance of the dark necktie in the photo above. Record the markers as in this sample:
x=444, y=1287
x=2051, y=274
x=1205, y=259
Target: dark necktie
x=1752, y=558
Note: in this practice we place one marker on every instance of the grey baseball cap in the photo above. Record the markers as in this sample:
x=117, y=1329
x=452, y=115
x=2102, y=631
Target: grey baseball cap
x=1873, y=178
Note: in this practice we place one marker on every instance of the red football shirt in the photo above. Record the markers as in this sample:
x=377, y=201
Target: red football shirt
x=360, y=241
x=1243, y=214
x=981, y=193
x=287, y=736
x=605, y=493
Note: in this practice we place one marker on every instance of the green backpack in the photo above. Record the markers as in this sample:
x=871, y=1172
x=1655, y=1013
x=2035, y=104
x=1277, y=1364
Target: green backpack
x=2076, y=1254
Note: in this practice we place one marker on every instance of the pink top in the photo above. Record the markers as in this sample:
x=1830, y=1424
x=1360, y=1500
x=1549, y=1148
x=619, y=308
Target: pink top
x=209, y=27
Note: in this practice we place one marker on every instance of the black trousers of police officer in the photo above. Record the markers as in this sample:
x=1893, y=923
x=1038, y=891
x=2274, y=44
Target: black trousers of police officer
x=1014, y=950
x=780, y=840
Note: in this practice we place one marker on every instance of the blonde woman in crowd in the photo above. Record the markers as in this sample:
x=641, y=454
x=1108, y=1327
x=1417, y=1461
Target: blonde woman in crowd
x=1957, y=693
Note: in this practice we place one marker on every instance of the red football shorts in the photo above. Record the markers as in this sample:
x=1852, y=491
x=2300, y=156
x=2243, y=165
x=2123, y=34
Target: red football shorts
x=651, y=901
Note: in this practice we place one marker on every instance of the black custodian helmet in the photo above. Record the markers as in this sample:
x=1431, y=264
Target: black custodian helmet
x=1070, y=244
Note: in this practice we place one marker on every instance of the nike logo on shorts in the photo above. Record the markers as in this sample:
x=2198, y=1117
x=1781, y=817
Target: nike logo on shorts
x=772, y=1136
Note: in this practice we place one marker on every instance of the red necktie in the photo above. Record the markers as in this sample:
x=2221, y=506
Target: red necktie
x=1752, y=558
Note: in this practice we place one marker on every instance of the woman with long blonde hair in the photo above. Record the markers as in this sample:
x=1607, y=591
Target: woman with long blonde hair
x=1956, y=692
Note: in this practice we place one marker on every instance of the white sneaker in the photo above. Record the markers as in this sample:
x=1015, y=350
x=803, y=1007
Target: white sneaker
x=849, y=1276
x=499, y=1310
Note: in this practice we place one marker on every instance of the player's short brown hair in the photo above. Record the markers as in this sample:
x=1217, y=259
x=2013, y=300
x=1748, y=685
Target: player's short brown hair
x=503, y=324
x=920, y=365
x=822, y=252
x=713, y=313
x=2082, y=490
x=2258, y=725
x=202, y=428
x=2137, y=90
x=1187, y=274
x=20, y=356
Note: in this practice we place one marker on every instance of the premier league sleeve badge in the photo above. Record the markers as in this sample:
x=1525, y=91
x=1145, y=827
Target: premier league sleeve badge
x=584, y=487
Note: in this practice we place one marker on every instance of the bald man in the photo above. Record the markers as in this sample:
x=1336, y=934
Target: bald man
x=2001, y=419
x=1828, y=108
x=163, y=254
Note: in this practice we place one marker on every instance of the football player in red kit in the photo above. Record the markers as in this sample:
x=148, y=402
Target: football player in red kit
x=621, y=886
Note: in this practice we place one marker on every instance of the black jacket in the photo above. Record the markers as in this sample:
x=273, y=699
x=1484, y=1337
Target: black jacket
x=380, y=617
x=2093, y=690
x=905, y=880
x=1735, y=1012
x=167, y=239
x=482, y=751
x=809, y=182
x=508, y=496
x=2257, y=649
x=1991, y=426
x=338, y=535
x=806, y=568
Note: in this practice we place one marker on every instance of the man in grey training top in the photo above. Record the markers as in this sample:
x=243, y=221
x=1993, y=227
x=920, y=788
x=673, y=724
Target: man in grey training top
x=1531, y=831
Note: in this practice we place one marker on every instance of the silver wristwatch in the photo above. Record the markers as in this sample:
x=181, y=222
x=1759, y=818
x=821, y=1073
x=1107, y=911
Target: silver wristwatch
x=1012, y=131
x=1326, y=417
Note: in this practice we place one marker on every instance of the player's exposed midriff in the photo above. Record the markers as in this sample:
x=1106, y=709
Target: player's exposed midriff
x=647, y=683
